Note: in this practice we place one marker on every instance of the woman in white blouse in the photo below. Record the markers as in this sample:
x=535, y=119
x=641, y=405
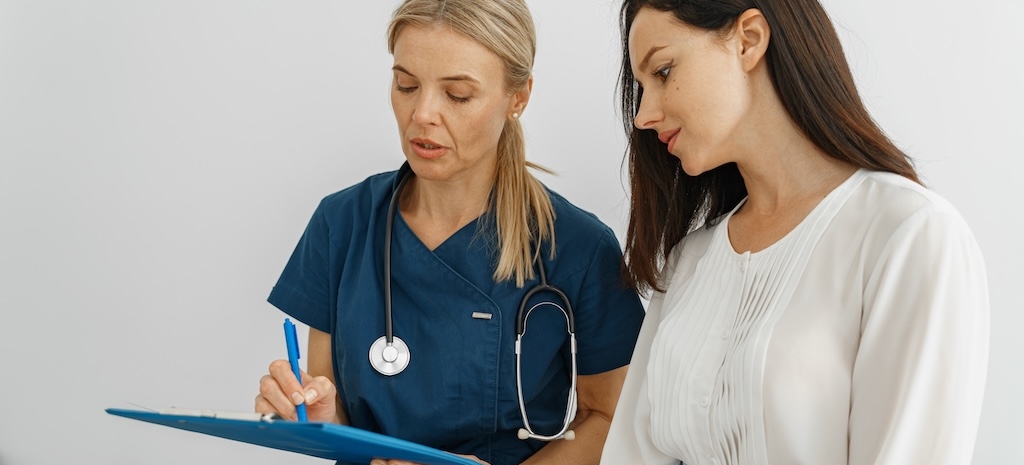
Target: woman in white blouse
x=813, y=304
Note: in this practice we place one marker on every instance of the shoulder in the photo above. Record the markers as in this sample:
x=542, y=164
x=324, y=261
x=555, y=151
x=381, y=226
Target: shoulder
x=352, y=212
x=890, y=205
x=360, y=200
x=368, y=191
x=573, y=225
x=687, y=252
x=572, y=218
x=580, y=236
x=890, y=221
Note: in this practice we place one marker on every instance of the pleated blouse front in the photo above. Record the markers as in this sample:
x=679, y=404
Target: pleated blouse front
x=858, y=338
x=719, y=363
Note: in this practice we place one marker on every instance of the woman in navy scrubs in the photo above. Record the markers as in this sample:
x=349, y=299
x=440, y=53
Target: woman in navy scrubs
x=470, y=233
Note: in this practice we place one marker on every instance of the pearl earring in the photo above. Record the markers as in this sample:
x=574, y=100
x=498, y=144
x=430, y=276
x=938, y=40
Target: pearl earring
x=515, y=115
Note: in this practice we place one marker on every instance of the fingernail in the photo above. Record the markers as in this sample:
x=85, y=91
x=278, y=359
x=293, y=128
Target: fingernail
x=310, y=395
x=296, y=398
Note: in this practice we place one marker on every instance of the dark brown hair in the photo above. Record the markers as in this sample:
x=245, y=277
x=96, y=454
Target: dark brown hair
x=809, y=72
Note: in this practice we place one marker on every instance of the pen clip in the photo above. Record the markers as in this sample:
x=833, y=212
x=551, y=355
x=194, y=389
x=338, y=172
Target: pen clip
x=292, y=340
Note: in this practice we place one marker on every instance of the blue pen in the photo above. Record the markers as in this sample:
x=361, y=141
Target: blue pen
x=293, y=358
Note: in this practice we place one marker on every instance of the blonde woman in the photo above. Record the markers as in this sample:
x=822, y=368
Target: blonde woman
x=456, y=240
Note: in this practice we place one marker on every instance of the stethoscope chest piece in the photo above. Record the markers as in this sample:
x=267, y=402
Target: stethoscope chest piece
x=389, y=359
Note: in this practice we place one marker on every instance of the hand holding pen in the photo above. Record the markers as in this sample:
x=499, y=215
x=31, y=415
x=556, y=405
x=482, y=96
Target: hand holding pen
x=281, y=392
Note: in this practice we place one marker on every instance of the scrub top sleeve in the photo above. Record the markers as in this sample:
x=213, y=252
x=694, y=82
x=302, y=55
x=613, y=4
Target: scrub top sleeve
x=919, y=373
x=608, y=314
x=303, y=290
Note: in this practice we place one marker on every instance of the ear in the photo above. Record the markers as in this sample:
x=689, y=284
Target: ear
x=520, y=98
x=754, y=33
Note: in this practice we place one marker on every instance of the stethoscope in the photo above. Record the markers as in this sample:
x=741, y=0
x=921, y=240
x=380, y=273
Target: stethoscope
x=390, y=355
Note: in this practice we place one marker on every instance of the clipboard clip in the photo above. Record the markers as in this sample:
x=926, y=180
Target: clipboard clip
x=222, y=414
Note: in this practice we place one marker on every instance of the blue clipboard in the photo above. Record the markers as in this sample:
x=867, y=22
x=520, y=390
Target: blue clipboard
x=325, y=440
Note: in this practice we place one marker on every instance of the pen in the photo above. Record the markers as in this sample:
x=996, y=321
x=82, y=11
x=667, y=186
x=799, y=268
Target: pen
x=293, y=358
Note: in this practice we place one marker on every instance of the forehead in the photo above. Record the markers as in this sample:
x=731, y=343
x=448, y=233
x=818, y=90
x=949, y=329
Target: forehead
x=653, y=28
x=440, y=50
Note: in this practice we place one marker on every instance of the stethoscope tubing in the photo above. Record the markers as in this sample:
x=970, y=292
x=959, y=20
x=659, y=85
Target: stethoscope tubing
x=389, y=355
x=570, y=411
x=389, y=331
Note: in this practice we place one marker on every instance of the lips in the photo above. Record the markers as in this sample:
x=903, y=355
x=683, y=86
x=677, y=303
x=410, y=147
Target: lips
x=427, y=148
x=668, y=137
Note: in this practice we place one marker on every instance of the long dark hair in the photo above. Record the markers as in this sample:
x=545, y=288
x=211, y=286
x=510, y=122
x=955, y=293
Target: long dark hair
x=809, y=72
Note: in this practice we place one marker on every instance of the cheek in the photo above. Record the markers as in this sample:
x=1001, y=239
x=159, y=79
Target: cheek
x=478, y=127
x=401, y=106
x=711, y=104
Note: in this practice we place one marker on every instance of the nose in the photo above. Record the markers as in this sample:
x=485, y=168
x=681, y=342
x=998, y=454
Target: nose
x=649, y=112
x=427, y=110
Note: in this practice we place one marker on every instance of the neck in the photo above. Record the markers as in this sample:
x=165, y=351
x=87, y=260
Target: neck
x=445, y=204
x=780, y=166
x=787, y=176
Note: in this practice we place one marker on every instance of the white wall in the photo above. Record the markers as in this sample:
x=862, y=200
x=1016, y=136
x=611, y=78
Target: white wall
x=159, y=160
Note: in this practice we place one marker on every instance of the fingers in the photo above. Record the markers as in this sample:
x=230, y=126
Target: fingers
x=265, y=407
x=319, y=389
x=280, y=392
x=272, y=398
x=281, y=372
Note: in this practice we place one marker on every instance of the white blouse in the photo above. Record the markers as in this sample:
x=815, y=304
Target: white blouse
x=861, y=337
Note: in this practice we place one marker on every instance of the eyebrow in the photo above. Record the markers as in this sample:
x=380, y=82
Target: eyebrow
x=643, y=63
x=457, y=77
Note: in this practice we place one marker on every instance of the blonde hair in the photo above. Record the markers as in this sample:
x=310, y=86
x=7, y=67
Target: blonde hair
x=523, y=210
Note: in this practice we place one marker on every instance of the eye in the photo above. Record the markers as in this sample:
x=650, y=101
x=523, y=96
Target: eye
x=662, y=73
x=405, y=90
x=457, y=99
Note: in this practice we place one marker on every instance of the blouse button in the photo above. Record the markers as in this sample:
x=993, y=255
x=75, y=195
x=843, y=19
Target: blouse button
x=725, y=334
x=704, y=401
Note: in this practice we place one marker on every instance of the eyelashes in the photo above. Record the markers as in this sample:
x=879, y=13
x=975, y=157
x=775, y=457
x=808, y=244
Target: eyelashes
x=452, y=97
x=662, y=73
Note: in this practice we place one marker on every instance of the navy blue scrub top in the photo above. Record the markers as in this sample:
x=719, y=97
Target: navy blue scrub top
x=459, y=391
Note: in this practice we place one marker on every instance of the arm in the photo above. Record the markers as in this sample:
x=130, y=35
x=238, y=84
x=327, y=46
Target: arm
x=919, y=375
x=597, y=396
x=321, y=366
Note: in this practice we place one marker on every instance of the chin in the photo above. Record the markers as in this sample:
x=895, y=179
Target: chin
x=691, y=167
x=695, y=164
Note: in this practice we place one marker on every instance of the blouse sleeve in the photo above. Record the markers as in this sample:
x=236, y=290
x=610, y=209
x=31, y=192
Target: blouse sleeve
x=303, y=290
x=919, y=373
x=629, y=437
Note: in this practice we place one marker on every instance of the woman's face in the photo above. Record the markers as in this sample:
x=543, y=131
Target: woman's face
x=449, y=98
x=695, y=91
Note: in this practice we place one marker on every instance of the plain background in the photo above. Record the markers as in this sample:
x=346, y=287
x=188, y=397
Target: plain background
x=160, y=161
